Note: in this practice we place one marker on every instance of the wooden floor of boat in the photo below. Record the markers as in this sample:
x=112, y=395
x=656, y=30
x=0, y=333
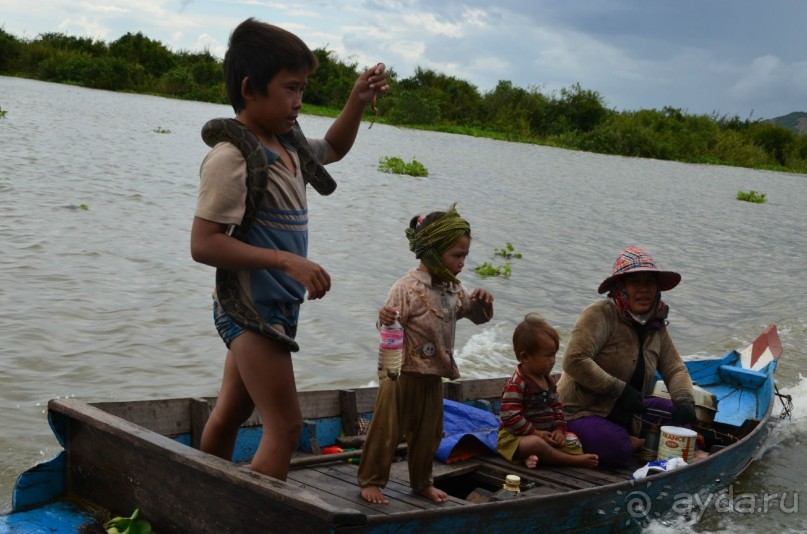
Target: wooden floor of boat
x=336, y=484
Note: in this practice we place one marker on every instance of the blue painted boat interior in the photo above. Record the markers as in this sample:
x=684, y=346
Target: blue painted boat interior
x=53, y=518
x=741, y=393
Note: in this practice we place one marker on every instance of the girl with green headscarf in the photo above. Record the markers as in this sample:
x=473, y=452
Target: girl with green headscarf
x=429, y=299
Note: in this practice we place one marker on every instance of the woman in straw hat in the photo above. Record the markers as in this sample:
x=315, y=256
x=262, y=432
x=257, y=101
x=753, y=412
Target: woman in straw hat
x=610, y=363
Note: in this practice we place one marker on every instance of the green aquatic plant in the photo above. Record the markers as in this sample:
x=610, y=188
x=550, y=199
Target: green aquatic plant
x=487, y=269
x=161, y=130
x=128, y=525
x=507, y=252
x=2, y=112
x=398, y=166
x=752, y=196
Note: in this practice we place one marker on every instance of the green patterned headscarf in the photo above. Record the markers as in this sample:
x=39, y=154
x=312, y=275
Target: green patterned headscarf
x=432, y=241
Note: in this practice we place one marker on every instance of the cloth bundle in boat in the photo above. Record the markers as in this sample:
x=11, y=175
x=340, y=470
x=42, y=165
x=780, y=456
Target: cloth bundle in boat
x=467, y=432
x=657, y=466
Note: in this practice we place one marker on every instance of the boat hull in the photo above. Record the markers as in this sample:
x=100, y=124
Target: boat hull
x=141, y=454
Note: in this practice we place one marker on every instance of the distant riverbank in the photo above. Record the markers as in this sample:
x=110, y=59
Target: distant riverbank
x=574, y=118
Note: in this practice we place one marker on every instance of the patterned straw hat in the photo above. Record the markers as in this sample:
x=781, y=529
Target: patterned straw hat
x=634, y=260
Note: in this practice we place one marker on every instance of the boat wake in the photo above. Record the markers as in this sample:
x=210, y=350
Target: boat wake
x=484, y=355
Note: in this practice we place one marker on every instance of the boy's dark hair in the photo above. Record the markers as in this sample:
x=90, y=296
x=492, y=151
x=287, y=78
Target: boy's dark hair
x=527, y=333
x=258, y=51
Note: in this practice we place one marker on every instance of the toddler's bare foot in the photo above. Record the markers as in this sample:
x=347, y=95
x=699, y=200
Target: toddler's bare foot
x=372, y=494
x=587, y=460
x=531, y=461
x=434, y=494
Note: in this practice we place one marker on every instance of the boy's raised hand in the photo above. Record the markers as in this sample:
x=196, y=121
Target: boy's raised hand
x=372, y=83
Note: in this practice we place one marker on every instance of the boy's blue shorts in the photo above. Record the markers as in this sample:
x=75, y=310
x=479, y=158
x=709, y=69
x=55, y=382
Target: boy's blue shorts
x=229, y=329
x=226, y=327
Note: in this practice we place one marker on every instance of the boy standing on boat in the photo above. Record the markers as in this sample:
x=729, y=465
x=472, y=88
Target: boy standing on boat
x=251, y=223
x=429, y=300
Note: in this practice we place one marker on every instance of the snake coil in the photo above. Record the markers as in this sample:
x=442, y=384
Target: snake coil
x=228, y=288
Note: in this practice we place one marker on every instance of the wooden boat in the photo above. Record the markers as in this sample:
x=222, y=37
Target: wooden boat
x=119, y=456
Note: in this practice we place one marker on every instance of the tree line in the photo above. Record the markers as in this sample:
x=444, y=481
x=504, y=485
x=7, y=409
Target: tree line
x=573, y=117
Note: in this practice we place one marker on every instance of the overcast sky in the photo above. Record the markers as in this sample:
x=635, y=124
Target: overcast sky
x=733, y=57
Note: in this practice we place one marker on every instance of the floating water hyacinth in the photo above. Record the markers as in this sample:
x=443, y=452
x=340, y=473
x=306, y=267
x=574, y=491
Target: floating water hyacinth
x=398, y=166
x=752, y=196
x=507, y=252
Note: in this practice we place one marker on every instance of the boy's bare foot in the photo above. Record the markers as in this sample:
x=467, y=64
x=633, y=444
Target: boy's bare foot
x=531, y=461
x=434, y=494
x=373, y=495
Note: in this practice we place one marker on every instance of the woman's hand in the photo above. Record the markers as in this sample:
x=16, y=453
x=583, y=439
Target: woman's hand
x=631, y=401
x=683, y=412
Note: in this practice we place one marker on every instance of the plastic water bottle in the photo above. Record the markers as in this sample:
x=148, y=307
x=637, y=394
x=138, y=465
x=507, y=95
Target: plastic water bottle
x=390, y=350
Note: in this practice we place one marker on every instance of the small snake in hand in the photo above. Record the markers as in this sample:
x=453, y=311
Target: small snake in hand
x=375, y=112
x=375, y=107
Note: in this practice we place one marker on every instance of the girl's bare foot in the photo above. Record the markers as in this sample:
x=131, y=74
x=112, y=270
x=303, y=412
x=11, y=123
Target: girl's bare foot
x=434, y=494
x=531, y=461
x=373, y=495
